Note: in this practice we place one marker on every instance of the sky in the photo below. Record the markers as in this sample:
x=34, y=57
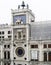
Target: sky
x=40, y=8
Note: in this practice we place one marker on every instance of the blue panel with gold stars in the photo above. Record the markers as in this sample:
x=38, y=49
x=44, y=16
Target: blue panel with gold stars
x=19, y=17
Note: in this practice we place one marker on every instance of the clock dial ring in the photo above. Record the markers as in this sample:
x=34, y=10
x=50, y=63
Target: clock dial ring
x=20, y=51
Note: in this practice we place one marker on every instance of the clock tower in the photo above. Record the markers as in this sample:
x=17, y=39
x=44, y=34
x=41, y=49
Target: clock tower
x=21, y=20
x=23, y=14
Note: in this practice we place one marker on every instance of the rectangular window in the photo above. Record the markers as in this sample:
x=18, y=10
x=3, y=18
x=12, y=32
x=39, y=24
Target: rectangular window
x=24, y=36
x=8, y=63
x=45, y=46
x=2, y=32
x=49, y=45
x=19, y=35
x=4, y=46
x=45, y=56
x=8, y=54
x=5, y=64
x=34, y=46
x=32, y=20
x=15, y=36
x=9, y=32
x=9, y=37
x=49, y=56
x=34, y=55
x=4, y=54
x=8, y=46
x=2, y=36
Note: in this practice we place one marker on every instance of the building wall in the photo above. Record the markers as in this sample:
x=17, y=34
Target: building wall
x=16, y=46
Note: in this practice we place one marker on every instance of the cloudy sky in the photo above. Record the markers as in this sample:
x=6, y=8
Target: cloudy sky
x=41, y=9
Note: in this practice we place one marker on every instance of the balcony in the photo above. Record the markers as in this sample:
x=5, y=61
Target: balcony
x=6, y=60
x=5, y=39
x=20, y=40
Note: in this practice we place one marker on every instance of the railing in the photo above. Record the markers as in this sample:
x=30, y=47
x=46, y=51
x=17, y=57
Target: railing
x=5, y=39
x=6, y=60
x=20, y=40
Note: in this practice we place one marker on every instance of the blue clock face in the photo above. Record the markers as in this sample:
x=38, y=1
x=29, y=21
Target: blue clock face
x=20, y=51
x=22, y=17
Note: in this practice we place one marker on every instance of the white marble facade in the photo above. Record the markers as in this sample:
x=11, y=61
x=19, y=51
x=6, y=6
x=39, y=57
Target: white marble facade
x=24, y=41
